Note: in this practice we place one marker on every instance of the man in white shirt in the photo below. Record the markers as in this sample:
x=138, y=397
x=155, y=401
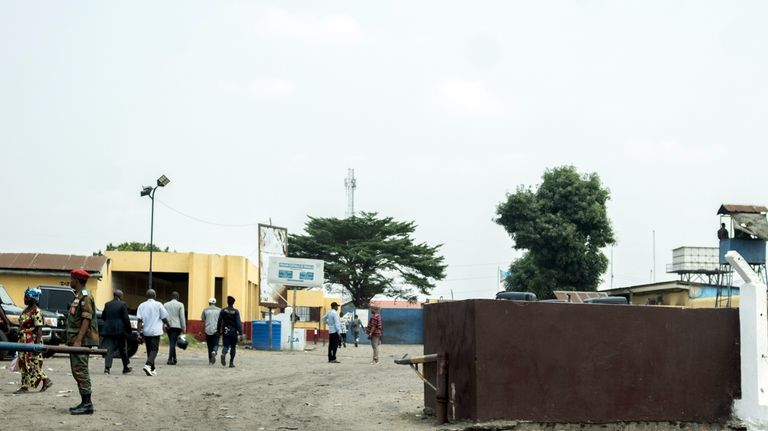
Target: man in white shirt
x=151, y=316
x=177, y=324
x=334, y=329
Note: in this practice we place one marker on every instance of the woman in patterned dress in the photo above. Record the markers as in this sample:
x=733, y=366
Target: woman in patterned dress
x=31, y=331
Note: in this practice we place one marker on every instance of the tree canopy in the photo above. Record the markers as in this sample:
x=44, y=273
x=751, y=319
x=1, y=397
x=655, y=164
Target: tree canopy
x=370, y=255
x=562, y=225
x=131, y=246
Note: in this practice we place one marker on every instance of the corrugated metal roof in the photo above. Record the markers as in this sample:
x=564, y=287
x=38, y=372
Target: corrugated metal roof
x=51, y=262
x=577, y=297
x=743, y=209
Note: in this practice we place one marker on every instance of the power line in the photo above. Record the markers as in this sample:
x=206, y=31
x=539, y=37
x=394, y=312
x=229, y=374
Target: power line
x=206, y=221
x=478, y=264
x=469, y=278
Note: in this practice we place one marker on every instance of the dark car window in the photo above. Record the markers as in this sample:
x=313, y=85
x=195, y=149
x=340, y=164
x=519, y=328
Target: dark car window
x=5, y=298
x=57, y=300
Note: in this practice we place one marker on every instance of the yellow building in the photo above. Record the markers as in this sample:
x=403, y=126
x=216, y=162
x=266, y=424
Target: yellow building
x=197, y=277
x=677, y=293
x=311, y=306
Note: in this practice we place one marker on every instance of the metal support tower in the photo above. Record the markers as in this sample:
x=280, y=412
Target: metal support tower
x=350, y=183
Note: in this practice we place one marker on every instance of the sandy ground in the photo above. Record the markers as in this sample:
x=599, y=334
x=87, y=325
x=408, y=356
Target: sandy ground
x=266, y=391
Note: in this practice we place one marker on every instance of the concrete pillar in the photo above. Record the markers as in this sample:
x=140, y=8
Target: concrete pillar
x=199, y=285
x=752, y=408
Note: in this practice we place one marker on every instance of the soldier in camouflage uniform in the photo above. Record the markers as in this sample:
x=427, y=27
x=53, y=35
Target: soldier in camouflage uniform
x=82, y=330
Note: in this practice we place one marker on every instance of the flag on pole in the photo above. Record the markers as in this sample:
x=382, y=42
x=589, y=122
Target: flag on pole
x=502, y=280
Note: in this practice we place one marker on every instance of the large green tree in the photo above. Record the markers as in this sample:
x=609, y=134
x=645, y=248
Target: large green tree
x=370, y=255
x=562, y=225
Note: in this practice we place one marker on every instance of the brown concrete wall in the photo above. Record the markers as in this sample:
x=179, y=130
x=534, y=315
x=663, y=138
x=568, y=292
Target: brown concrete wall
x=453, y=330
x=554, y=362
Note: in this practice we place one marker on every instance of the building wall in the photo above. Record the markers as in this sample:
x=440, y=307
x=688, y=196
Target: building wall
x=704, y=298
x=239, y=279
x=401, y=326
x=313, y=299
x=194, y=276
x=15, y=285
x=583, y=363
x=661, y=298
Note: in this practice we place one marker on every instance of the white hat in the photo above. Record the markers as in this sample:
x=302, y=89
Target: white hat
x=212, y=301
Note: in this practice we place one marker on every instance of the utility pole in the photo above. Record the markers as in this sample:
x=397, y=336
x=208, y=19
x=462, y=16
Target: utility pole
x=350, y=183
x=611, y=266
x=654, y=256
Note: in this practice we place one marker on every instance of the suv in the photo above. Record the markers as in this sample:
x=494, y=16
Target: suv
x=58, y=299
x=50, y=321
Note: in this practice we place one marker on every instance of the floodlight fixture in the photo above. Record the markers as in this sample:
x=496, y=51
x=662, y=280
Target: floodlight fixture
x=146, y=191
x=163, y=181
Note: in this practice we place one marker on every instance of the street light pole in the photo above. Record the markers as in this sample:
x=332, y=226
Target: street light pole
x=150, y=191
x=151, y=234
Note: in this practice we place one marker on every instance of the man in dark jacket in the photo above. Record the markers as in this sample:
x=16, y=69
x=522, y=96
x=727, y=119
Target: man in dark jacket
x=231, y=330
x=117, y=326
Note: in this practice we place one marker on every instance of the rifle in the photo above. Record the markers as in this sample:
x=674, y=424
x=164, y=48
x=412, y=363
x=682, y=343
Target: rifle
x=42, y=348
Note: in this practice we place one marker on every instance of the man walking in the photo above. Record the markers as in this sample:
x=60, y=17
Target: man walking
x=211, y=318
x=231, y=330
x=117, y=326
x=374, y=331
x=177, y=324
x=151, y=316
x=334, y=328
x=356, y=325
x=82, y=330
x=343, y=334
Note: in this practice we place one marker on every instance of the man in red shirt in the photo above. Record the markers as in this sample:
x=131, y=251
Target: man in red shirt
x=374, y=331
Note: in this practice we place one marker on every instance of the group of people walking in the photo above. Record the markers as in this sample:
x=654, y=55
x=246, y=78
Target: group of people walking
x=338, y=329
x=225, y=324
x=82, y=330
x=153, y=318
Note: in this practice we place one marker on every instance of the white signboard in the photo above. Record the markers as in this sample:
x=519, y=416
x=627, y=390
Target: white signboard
x=273, y=241
x=291, y=271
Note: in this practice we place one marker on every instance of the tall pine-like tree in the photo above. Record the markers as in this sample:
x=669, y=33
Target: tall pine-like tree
x=370, y=255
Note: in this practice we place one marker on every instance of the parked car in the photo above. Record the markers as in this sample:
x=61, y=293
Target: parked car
x=607, y=300
x=58, y=299
x=516, y=296
x=12, y=311
x=528, y=296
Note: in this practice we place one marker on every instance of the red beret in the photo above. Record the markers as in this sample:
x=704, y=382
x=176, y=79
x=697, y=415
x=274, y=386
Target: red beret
x=79, y=274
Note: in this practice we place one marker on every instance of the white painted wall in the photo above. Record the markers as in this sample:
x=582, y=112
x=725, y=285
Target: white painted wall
x=752, y=408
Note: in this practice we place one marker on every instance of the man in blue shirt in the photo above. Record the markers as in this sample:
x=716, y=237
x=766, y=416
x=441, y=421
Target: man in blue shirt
x=334, y=329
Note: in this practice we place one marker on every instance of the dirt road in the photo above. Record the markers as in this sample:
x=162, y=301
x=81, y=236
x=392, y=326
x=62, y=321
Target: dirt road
x=266, y=391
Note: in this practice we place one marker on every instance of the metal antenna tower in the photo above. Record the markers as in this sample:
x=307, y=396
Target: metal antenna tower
x=351, y=184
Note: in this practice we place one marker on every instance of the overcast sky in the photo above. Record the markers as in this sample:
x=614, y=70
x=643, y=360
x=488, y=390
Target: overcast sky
x=255, y=110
